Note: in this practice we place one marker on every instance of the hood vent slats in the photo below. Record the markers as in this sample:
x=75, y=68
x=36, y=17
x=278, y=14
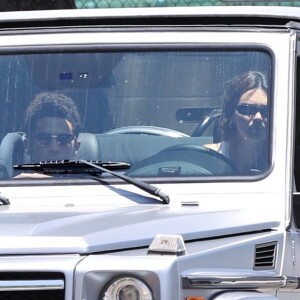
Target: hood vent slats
x=265, y=256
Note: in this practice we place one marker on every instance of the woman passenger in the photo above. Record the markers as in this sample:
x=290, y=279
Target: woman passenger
x=244, y=123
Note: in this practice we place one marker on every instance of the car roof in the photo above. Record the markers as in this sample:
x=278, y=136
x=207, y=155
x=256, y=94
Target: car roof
x=228, y=15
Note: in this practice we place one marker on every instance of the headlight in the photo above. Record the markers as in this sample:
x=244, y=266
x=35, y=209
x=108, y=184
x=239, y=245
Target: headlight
x=127, y=288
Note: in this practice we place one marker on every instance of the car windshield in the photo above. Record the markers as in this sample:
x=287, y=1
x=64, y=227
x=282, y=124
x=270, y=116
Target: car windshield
x=168, y=113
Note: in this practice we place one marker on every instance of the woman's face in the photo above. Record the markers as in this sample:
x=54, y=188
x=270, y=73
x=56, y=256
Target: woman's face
x=251, y=115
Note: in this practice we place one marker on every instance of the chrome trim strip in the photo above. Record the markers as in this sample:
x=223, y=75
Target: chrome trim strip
x=29, y=285
x=198, y=282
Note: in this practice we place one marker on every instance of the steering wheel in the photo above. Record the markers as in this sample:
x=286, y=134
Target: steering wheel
x=147, y=130
x=184, y=160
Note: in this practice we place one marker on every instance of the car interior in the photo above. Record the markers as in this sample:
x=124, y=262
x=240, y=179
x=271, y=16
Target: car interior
x=140, y=107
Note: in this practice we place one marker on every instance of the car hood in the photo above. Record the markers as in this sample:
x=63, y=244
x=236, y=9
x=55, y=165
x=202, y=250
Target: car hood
x=115, y=228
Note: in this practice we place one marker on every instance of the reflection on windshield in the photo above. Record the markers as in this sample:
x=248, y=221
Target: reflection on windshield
x=166, y=113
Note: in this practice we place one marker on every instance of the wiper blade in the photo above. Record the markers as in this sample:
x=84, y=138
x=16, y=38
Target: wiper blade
x=71, y=167
x=151, y=189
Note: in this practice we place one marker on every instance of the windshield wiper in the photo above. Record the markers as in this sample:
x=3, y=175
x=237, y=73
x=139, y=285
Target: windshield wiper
x=93, y=168
x=151, y=189
x=71, y=167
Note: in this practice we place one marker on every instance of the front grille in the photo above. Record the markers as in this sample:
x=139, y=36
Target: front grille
x=32, y=295
x=32, y=286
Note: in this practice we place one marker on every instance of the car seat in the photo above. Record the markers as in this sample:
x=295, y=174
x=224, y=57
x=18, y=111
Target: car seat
x=11, y=153
x=210, y=123
x=89, y=147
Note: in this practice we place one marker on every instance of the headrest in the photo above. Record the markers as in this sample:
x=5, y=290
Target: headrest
x=89, y=148
x=11, y=152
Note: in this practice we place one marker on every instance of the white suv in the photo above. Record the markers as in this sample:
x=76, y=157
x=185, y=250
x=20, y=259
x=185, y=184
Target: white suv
x=164, y=165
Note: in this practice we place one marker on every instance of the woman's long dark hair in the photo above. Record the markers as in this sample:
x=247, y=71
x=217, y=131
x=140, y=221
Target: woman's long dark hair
x=233, y=91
